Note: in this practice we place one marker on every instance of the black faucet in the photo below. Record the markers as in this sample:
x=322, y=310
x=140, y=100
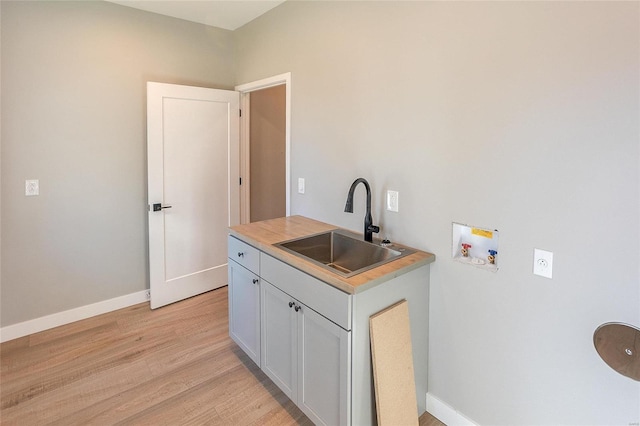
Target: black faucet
x=369, y=227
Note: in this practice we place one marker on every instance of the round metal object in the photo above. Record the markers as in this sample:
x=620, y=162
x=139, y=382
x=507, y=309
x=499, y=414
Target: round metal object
x=619, y=346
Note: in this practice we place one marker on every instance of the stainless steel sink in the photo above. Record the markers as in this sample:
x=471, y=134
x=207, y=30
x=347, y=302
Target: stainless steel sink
x=343, y=252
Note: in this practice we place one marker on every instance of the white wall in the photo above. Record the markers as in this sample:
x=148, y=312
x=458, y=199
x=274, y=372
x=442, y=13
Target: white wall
x=73, y=116
x=518, y=116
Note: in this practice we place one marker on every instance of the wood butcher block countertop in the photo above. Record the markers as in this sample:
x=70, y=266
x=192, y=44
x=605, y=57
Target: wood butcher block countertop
x=263, y=235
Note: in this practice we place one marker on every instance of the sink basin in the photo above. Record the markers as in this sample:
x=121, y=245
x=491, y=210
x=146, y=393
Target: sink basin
x=342, y=252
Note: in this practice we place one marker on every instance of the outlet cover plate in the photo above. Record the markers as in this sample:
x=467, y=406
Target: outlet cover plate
x=31, y=187
x=543, y=263
x=392, y=201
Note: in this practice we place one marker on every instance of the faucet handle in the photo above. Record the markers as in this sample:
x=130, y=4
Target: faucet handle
x=374, y=228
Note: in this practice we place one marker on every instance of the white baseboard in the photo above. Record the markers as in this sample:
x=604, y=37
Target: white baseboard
x=445, y=413
x=25, y=328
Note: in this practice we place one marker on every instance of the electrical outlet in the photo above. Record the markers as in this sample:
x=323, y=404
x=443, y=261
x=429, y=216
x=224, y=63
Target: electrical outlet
x=300, y=185
x=147, y=295
x=543, y=263
x=31, y=187
x=392, y=201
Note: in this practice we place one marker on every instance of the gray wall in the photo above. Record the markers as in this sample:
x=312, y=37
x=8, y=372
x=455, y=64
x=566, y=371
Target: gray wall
x=518, y=116
x=74, y=117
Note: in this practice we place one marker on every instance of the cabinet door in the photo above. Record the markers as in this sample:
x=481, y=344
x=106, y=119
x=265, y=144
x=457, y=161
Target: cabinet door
x=244, y=310
x=324, y=369
x=279, y=339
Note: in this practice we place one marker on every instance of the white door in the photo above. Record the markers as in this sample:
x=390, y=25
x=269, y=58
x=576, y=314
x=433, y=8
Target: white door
x=193, y=179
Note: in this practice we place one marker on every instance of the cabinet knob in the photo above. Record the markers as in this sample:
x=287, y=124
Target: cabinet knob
x=297, y=308
x=291, y=304
x=255, y=281
x=240, y=254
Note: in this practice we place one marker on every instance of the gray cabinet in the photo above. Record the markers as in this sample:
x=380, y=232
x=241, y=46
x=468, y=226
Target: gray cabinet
x=324, y=368
x=279, y=346
x=244, y=298
x=307, y=356
x=312, y=339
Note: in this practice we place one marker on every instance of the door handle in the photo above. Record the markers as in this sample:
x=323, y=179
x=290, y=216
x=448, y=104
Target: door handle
x=158, y=206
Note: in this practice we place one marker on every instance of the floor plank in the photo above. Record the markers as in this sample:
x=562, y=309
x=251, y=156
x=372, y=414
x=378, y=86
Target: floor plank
x=171, y=366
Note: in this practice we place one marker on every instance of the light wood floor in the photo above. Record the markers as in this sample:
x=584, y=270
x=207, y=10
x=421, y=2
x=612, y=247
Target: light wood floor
x=172, y=366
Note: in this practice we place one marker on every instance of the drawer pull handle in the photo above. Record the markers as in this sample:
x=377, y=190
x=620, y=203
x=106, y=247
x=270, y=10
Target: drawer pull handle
x=291, y=304
x=255, y=281
x=240, y=254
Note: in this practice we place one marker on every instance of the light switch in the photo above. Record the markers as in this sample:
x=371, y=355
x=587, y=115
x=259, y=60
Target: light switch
x=300, y=185
x=32, y=187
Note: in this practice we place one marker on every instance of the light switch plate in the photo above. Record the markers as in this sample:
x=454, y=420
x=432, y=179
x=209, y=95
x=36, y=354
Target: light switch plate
x=31, y=187
x=543, y=263
x=300, y=185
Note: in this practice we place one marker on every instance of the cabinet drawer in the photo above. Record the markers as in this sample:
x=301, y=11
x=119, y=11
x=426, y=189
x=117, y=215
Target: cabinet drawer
x=244, y=254
x=319, y=296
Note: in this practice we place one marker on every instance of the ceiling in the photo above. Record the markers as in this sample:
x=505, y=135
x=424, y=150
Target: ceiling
x=227, y=14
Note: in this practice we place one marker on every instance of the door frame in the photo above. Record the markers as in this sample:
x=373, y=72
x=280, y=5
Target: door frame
x=245, y=188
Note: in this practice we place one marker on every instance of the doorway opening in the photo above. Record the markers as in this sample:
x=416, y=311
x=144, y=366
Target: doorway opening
x=265, y=148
